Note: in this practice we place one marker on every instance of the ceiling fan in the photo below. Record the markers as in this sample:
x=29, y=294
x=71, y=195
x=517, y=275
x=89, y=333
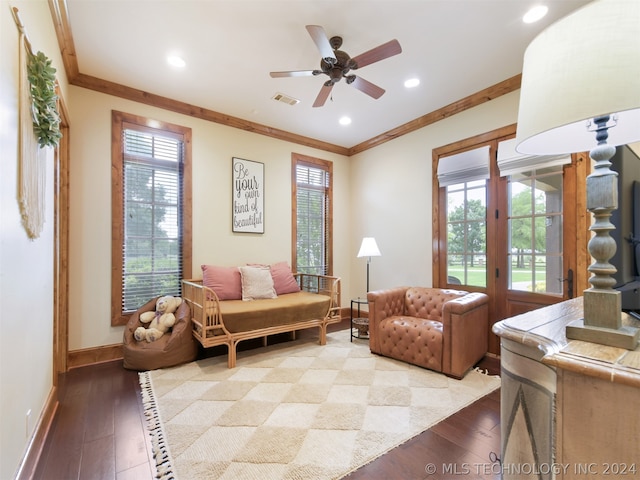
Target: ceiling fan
x=337, y=64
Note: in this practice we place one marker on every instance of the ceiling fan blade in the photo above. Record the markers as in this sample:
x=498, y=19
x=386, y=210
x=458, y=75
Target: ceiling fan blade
x=298, y=73
x=381, y=52
x=323, y=95
x=322, y=42
x=367, y=87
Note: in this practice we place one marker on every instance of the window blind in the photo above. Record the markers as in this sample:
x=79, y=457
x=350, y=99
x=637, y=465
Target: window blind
x=152, y=247
x=464, y=167
x=511, y=162
x=312, y=201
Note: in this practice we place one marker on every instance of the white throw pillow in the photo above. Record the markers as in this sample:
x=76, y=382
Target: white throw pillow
x=256, y=283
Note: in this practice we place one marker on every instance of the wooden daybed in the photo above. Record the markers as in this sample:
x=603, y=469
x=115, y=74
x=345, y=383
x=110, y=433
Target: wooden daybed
x=228, y=322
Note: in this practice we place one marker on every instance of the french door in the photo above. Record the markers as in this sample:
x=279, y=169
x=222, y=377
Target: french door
x=515, y=229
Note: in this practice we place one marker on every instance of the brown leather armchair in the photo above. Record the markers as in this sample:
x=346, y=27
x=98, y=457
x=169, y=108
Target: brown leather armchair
x=442, y=330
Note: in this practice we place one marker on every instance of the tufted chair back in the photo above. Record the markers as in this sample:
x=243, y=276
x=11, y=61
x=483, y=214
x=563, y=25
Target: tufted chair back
x=423, y=302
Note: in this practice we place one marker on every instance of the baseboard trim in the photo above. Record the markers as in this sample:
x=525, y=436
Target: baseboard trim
x=30, y=460
x=89, y=356
x=492, y=355
x=345, y=313
x=108, y=353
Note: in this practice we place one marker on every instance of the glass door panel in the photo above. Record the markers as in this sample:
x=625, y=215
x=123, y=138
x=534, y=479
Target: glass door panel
x=535, y=231
x=467, y=233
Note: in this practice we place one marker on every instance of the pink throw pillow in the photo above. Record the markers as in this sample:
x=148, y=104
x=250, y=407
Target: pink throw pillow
x=283, y=279
x=225, y=281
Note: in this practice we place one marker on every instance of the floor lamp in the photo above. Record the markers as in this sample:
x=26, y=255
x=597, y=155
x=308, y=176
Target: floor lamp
x=368, y=248
x=581, y=92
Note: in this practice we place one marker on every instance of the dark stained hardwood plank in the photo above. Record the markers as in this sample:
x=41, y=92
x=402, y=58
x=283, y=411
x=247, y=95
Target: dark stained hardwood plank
x=63, y=449
x=100, y=433
x=99, y=423
x=98, y=459
x=140, y=472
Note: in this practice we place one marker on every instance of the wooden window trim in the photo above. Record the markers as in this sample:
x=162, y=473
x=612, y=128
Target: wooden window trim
x=296, y=159
x=118, y=122
x=439, y=273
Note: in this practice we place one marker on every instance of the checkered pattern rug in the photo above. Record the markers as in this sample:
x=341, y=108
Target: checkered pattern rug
x=295, y=410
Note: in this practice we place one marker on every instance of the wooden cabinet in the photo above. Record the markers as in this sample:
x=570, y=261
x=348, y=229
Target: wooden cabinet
x=569, y=409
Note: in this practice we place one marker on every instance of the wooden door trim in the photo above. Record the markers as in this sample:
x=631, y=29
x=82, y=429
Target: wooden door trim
x=576, y=224
x=61, y=246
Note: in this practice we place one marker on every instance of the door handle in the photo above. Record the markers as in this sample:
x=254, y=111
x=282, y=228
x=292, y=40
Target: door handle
x=569, y=281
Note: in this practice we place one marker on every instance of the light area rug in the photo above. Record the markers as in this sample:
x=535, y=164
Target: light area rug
x=294, y=411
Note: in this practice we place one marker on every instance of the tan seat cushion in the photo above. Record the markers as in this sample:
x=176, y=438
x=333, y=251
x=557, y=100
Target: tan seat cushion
x=242, y=316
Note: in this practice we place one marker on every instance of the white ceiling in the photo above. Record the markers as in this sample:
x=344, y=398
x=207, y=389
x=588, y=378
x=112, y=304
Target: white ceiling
x=455, y=47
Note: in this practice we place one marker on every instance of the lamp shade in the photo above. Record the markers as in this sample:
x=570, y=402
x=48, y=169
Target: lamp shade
x=583, y=66
x=369, y=248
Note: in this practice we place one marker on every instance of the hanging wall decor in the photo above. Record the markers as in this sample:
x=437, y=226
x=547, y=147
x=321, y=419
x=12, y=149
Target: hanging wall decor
x=46, y=119
x=39, y=129
x=248, y=196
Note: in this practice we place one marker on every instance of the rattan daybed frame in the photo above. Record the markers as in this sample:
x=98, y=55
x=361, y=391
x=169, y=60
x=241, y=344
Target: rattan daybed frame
x=207, y=313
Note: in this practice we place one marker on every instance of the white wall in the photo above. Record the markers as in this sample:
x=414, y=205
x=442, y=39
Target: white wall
x=26, y=266
x=214, y=146
x=391, y=196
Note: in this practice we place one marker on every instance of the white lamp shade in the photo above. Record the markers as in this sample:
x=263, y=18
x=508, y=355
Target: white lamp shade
x=369, y=248
x=583, y=66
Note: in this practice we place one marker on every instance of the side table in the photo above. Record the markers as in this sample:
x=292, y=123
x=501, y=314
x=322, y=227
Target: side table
x=360, y=323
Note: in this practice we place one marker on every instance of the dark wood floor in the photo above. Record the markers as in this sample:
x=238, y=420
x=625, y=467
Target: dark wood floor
x=99, y=433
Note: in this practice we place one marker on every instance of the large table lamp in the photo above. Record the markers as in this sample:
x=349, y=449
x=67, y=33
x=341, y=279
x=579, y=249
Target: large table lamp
x=368, y=248
x=581, y=92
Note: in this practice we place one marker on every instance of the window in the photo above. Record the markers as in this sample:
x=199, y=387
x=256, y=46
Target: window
x=464, y=177
x=509, y=225
x=312, y=199
x=535, y=231
x=467, y=233
x=535, y=218
x=151, y=214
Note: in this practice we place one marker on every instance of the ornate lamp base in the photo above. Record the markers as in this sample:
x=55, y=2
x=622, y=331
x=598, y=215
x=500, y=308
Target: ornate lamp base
x=604, y=322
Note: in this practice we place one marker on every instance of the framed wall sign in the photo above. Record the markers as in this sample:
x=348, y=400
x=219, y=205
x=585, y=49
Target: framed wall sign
x=248, y=196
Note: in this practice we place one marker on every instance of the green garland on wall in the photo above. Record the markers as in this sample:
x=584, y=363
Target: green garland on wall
x=44, y=108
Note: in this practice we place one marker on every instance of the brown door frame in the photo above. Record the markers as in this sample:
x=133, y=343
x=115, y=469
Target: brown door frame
x=576, y=223
x=61, y=246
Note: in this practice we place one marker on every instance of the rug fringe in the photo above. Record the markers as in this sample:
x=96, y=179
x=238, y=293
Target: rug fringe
x=164, y=462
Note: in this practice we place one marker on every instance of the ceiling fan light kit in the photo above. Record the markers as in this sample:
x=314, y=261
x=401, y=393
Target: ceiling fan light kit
x=337, y=64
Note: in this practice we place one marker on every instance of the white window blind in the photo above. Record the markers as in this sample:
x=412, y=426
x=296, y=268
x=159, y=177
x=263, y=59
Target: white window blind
x=511, y=162
x=464, y=167
x=312, y=216
x=152, y=247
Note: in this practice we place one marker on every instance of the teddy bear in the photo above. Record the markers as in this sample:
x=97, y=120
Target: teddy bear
x=160, y=321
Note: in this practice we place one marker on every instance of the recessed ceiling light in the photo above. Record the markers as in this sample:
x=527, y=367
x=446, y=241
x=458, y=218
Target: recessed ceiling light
x=345, y=121
x=535, y=14
x=176, y=61
x=412, y=82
